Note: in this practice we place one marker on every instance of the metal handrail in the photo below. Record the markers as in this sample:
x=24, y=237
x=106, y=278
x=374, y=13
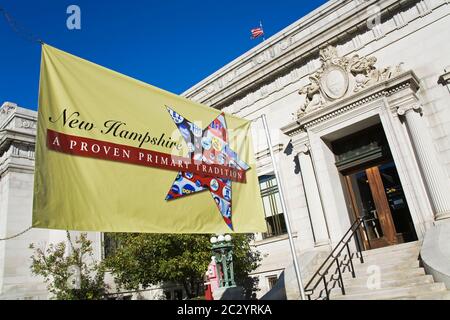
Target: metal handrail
x=320, y=276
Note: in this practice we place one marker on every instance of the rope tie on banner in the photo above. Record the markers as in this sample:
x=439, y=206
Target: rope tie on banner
x=16, y=235
x=18, y=28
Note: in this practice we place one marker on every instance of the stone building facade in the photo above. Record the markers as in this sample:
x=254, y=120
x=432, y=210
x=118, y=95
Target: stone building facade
x=357, y=97
x=357, y=100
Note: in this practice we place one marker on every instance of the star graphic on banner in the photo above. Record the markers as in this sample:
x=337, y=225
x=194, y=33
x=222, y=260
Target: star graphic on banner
x=209, y=146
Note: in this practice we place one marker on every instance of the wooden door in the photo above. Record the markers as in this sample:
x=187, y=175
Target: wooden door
x=382, y=205
x=368, y=197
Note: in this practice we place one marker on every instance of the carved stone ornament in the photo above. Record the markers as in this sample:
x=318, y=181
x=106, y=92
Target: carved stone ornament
x=334, y=82
x=6, y=109
x=27, y=124
x=341, y=76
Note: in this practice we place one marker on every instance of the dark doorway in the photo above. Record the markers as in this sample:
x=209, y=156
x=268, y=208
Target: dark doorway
x=373, y=187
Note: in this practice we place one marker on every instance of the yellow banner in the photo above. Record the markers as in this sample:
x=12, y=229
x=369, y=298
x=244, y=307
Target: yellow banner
x=114, y=154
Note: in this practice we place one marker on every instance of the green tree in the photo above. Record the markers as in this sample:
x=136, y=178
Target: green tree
x=72, y=276
x=152, y=259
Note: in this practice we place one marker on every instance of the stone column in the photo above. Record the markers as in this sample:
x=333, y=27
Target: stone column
x=433, y=173
x=312, y=195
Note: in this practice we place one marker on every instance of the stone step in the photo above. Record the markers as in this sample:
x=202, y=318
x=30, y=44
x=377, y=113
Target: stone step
x=391, y=293
x=393, y=275
x=354, y=286
x=415, y=245
x=366, y=270
x=387, y=258
x=401, y=276
x=444, y=295
x=388, y=261
x=388, y=278
x=406, y=253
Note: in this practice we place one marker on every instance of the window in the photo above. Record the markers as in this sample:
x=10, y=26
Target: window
x=272, y=206
x=110, y=245
x=272, y=280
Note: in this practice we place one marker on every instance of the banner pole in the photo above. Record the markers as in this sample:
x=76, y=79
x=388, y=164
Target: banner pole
x=285, y=212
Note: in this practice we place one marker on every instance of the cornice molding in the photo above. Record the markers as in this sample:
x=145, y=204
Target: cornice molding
x=17, y=118
x=8, y=136
x=13, y=167
x=17, y=156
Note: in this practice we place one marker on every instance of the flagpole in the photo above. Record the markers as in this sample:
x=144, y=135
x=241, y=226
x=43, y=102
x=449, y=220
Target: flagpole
x=264, y=35
x=285, y=211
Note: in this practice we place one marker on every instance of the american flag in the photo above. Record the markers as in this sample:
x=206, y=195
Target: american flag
x=257, y=32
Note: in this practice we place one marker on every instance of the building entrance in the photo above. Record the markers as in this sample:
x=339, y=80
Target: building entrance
x=373, y=187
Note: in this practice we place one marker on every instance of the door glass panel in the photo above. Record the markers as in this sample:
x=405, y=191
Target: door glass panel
x=397, y=201
x=366, y=204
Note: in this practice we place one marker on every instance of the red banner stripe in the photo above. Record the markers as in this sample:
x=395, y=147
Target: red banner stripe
x=98, y=149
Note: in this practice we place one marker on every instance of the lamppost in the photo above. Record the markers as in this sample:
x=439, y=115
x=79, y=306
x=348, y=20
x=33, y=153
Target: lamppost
x=222, y=249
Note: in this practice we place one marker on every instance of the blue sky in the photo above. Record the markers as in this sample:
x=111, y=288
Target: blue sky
x=170, y=44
